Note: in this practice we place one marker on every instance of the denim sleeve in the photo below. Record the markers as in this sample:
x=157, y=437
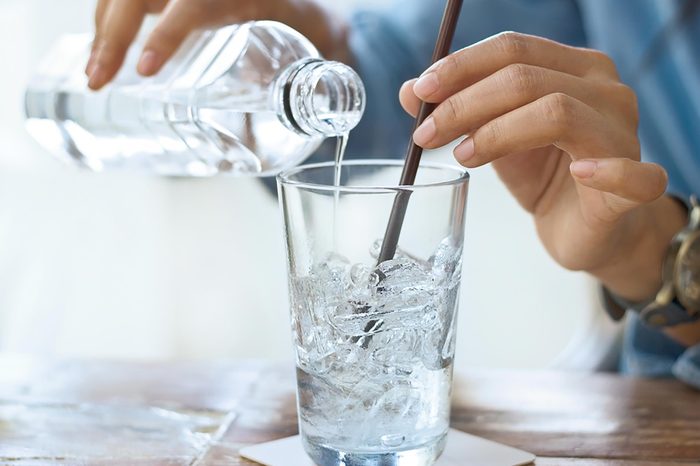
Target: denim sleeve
x=648, y=352
x=395, y=44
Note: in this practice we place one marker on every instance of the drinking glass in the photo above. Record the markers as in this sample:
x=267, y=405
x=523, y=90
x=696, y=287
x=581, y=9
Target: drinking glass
x=374, y=342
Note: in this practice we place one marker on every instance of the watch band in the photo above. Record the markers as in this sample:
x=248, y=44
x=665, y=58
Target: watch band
x=658, y=317
x=614, y=306
x=667, y=316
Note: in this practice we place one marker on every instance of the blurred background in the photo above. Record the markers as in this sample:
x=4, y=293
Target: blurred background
x=134, y=267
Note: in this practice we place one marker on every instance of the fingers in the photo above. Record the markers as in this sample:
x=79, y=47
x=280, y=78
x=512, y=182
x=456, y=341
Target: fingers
x=179, y=18
x=100, y=10
x=504, y=91
x=555, y=119
x=408, y=98
x=116, y=30
x=626, y=182
x=99, y=15
x=471, y=64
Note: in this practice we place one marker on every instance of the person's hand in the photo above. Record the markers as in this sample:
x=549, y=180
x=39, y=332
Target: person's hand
x=561, y=131
x=118, y=21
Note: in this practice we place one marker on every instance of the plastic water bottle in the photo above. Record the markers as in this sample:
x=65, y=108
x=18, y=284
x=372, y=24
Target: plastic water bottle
x=249, y=99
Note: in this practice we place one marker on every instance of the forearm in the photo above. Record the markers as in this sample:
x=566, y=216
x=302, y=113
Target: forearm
x=635, y=274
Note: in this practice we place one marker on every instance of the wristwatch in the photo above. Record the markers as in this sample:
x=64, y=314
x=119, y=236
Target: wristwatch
x=678, y=300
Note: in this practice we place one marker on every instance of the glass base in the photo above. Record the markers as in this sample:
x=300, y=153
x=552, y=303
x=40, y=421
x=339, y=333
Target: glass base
x=425, y=455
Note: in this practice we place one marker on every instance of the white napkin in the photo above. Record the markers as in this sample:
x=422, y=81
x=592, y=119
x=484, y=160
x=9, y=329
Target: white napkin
x=461, y=450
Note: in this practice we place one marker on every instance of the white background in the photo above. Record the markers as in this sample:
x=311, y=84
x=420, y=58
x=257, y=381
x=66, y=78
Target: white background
x=98, y=265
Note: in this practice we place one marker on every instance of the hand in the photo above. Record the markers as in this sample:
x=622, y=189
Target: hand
x=118, y=21
x=561, y=131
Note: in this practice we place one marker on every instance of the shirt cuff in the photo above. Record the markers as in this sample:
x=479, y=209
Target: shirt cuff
x=648, y=352
x=687, y=367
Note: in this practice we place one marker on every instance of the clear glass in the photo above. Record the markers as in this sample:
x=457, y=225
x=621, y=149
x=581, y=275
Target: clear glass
x=374, y=343
x=249, y=99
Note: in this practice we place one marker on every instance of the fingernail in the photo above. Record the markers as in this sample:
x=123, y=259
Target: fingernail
x=90, y=68
x=410, y=82
x=90, y=64
x=426, y=85
x=425, y=132
x=95, y=56
x=148, y=63
x=432, y=68
x=465, y=150
x=98, y=77
x=583, y=168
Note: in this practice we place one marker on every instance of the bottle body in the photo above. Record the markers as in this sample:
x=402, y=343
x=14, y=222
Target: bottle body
x=217, y=107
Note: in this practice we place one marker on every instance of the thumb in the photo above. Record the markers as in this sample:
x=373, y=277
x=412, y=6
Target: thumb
x=408, y=99
x=625, y=183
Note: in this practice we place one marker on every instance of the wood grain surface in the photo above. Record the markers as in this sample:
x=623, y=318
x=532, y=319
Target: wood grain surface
x=102, y=413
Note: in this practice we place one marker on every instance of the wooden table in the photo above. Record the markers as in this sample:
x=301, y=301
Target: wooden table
x=108, y=413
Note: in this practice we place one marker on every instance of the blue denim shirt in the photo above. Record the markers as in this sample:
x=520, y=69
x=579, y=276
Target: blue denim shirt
x=395, y=44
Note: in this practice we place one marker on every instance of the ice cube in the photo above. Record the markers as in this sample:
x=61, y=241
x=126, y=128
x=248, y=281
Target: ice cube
x=445, y=261
x=437, y=343
x=330, y=275
x=430, y=320
x=355, y=322
x=404, y=291
x=359, y=275
x=397, y=401
x=391, y=318
x=396, y=275
x=396, y=351
x=376, y=248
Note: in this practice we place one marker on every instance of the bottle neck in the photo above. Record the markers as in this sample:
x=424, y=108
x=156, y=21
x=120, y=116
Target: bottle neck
x=320, y=98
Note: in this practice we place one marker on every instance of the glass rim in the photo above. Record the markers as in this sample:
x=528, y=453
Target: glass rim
x=284, y=178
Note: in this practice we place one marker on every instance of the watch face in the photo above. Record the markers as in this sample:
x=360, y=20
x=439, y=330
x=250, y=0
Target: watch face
x=688, y=273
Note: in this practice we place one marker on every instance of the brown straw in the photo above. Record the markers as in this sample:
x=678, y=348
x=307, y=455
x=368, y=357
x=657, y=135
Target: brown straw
x=413, y=156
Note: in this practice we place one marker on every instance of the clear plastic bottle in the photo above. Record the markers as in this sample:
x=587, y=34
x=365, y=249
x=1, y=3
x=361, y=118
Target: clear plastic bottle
x=249, y=99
